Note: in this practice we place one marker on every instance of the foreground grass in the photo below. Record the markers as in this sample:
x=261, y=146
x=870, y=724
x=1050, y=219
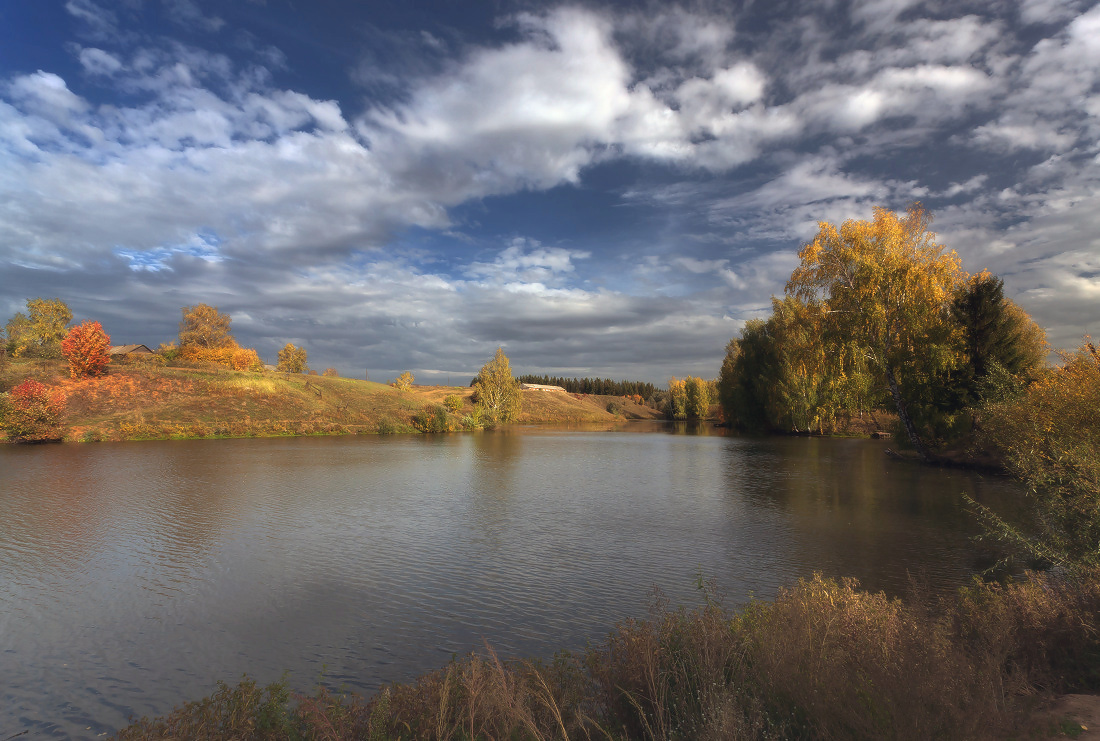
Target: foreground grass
x=824, y=660
x=135, y=402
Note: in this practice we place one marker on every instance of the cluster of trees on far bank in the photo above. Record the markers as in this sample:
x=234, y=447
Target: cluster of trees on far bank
x=879, y=315
x=688, y=398
x=598, y=386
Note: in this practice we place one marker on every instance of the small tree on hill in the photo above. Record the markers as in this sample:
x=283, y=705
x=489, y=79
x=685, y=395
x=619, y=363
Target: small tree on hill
x=496, y=392
x=206, y=327
x=38, y=333
x=87, y=348
x=292, y=359
x=403, y=382
x=331, y=373
x=32, y=413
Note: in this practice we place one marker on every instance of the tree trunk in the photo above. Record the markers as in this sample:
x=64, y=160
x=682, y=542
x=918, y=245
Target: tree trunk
x=903, y=415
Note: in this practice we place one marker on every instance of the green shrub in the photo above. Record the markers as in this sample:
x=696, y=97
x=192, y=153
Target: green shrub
x=472, y=421
x=432, y=418
x=453, y=402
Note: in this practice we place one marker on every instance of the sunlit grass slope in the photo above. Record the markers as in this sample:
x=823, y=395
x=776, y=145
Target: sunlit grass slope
x=136, y=402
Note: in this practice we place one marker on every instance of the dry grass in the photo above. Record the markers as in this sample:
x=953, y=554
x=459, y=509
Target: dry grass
x=823, y=661
x=146, y=401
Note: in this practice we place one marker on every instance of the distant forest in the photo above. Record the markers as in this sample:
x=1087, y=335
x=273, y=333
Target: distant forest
x=604, y=386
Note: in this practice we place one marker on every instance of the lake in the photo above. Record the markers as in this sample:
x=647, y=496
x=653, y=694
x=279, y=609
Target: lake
x=133, y=576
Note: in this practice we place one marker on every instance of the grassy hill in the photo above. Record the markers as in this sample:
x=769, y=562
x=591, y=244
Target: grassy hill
x=147, y=402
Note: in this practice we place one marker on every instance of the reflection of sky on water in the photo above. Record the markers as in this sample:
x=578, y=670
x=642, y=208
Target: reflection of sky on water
x=134, y=576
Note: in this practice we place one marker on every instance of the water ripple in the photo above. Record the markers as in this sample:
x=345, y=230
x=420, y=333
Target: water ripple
x=135, y=576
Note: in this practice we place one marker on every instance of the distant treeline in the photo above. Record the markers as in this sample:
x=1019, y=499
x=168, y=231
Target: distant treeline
x=604, y=386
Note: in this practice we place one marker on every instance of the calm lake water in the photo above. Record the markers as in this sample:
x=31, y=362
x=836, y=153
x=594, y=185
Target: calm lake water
x=134, y=576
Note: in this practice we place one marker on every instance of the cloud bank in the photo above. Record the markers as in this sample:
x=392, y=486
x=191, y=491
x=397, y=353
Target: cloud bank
x=172, y=165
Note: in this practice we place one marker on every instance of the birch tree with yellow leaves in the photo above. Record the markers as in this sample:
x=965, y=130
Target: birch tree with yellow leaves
x=886, y=286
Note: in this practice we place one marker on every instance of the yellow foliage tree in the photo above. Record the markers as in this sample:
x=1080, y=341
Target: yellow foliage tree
x=403, y=382
x=885, y=285
x=688, y=398
x=292, y=359
x=38, y=333
x=496, y=392
x=206, y=327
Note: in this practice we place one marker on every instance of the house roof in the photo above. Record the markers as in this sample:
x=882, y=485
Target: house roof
x=127, y=349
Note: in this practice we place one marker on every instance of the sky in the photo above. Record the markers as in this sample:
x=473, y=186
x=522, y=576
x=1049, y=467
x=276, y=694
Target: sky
x=601, y=188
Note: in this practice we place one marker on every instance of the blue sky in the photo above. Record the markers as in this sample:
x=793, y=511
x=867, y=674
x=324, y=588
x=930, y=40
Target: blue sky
x=606, y=189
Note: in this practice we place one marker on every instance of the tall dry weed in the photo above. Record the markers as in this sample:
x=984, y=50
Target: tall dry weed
x=824, y=660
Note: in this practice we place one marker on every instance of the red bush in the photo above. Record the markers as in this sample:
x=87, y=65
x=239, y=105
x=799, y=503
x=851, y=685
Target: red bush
x=33, y=413
x=87, y=348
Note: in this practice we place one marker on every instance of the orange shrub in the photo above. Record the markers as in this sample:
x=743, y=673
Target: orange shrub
x=230, y=356
x=245, y=358
x=199, y=354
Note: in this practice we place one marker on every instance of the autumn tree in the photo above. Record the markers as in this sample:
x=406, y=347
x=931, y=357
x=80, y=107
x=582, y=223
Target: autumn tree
x=699, y=394
x=403, y=382
x=688, y=398
x=496, y=392
x=676, y=403
x=16, y=331
x=87, y=348
x=292, y=359
x=331, y=373
x=38, y=333
x=885, y=285
x=205, y=327
x=799, y=394
x=32, y=413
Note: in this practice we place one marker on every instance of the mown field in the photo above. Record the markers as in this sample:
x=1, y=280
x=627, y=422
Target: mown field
x=147, y=402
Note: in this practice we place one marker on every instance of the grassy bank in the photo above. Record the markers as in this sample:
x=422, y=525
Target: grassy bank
x=148, y=402
x=824, y=660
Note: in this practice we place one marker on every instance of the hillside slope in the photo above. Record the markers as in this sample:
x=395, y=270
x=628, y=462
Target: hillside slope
x=134, y=402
